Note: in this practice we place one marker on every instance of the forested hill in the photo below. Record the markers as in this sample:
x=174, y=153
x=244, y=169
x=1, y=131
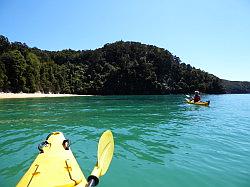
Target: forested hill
x=236, y=87
x=117, y=68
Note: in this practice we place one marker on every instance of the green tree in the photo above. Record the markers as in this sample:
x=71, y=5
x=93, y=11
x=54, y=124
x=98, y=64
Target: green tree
x=15, y=67
x=3, y=77
x=32, y=72
x=4, y=44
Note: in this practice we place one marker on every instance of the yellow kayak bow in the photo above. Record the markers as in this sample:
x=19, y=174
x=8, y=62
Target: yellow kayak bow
x=57, y=166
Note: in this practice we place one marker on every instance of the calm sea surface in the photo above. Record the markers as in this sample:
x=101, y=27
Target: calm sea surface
x=159, y=140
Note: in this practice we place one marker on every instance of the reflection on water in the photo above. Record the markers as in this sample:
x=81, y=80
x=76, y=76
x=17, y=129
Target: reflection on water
x=156, y=137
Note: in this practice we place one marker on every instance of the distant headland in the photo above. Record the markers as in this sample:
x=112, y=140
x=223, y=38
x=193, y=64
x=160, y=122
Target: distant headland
x=120, y=68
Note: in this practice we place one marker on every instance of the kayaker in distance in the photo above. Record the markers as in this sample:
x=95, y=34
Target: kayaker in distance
x=196, y=97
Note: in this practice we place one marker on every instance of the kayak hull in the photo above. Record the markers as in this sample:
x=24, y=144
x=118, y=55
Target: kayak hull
x=54, y=166
x=201, y=103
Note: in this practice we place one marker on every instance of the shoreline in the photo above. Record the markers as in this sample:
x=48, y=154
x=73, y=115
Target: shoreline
x=34, y=95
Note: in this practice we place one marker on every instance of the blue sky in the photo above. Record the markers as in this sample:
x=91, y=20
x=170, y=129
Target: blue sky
x=211, y=35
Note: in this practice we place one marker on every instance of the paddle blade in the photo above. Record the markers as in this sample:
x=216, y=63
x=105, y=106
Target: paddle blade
x=105, y=151
x=187, y=95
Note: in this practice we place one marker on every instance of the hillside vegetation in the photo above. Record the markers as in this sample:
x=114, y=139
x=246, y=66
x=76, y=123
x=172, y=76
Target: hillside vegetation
x=236, y=87
x=117, y=68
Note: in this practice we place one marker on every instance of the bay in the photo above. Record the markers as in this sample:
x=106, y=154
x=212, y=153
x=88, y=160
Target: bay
x=159, y=140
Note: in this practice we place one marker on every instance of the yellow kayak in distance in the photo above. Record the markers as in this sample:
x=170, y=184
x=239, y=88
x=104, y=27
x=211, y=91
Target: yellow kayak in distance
x=202, y=103
x=56, y=165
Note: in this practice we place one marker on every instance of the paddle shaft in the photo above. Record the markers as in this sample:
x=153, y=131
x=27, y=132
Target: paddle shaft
x=91, y=183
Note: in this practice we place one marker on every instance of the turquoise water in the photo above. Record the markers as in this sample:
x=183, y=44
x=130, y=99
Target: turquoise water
x=159, y=140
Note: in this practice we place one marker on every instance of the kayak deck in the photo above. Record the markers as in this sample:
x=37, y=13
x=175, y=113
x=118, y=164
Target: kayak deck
x=54, y=166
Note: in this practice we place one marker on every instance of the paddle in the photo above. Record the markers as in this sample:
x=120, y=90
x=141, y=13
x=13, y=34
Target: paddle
x=189, y=98
x=105, y=155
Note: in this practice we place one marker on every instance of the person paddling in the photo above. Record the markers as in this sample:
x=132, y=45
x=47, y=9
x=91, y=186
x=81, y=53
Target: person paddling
x=196, y=97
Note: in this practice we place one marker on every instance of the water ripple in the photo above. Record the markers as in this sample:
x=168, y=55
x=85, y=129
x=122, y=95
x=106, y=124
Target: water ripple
x=156, y=137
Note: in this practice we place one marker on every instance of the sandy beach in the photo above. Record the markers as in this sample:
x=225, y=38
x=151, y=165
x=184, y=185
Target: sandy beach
x=34, y=95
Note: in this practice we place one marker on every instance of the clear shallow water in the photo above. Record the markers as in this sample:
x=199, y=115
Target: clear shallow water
x=159, y=140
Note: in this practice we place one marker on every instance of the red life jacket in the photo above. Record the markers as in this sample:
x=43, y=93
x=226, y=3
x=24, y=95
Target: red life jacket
x=197, y=98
